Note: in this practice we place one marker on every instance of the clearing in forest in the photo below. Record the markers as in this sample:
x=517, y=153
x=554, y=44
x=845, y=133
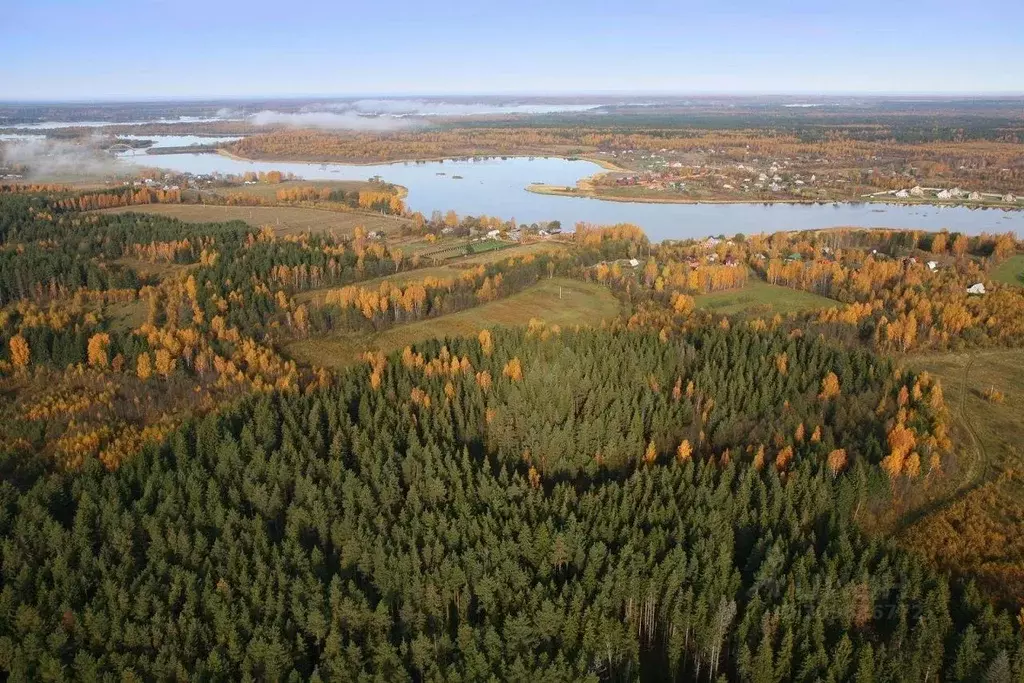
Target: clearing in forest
x=556, y=301
x=757, y=294
x=284, y=219
x=1010, y=271
x=972, y=532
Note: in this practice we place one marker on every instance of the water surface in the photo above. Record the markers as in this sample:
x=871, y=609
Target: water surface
x=496, y=187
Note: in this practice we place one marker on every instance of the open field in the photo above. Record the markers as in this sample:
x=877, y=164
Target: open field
x=284, y=219
x=760, y=294
x=483, y=252
x=994, y=430
x=556, y=301
x=974, y=531
x=1010, y=271
x=128, y=315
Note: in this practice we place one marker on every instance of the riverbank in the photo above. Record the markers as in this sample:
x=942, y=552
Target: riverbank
x=585, y=189
x=603, y=163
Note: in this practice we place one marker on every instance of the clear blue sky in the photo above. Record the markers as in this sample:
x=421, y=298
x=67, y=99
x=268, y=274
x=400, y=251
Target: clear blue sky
x=172, y=48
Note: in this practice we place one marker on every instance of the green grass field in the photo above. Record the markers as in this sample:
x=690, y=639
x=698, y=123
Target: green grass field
x=556, y=301
x=1010, y=271
x=758, y=294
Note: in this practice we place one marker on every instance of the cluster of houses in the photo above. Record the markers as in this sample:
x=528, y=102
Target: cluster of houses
x=945, y=194
x=151, y=184
x=671, y=180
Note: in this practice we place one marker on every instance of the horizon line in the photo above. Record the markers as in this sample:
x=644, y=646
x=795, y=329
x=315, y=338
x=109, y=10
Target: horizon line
x=130, y=99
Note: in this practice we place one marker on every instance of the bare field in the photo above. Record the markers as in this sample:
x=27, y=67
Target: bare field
x=284, y=220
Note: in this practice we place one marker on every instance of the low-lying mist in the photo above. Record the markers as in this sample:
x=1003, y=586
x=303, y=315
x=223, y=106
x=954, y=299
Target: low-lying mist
x=326, y=120
x=47, y=158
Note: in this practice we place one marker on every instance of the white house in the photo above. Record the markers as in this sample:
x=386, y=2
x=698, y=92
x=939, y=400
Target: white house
x=633, y=262
x=493, y=234
x=978, y=288
x=932, y=265
x=974, y=196
x=902, y=194
x=917, y=191
x=1009, y=198
x=944, y=194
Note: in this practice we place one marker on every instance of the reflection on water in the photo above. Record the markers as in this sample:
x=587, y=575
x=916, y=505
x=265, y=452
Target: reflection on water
x=496, y=187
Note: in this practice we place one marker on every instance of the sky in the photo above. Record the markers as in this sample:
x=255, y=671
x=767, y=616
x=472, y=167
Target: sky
x=116, y=49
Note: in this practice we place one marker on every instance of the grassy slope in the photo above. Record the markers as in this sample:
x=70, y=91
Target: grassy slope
x=284, y=219
x=759, y=293
x=1010, y=271
x=581, y=303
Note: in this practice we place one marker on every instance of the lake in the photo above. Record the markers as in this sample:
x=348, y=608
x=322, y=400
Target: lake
x=160, y=141
x=496, y=187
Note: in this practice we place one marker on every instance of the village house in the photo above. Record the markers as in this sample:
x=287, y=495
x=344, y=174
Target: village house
x=902, y=194
x=1009, y=198
x=944, y=194
x=932, y=265
x=974, y=196
x=917, y=191
x=978, y=288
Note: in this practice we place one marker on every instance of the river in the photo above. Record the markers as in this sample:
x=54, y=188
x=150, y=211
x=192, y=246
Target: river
x=496, y=187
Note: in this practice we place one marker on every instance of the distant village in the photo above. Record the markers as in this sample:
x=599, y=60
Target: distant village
x=702, y=175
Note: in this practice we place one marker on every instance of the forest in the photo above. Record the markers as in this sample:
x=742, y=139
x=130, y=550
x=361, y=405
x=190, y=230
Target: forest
x=675, y=495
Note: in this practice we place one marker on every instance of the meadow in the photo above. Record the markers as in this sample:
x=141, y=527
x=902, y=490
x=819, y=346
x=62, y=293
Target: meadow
x=759, y=296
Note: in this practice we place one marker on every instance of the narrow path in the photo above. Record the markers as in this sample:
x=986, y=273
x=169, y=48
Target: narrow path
x=980, y=454
x=962, y=410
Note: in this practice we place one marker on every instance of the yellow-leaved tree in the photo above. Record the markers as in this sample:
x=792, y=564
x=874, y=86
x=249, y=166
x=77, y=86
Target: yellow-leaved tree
x=20, y=352
x=97, y=350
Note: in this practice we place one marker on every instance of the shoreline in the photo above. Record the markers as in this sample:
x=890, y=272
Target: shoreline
x=603, y=163
x=584, y=187
x=583, y=191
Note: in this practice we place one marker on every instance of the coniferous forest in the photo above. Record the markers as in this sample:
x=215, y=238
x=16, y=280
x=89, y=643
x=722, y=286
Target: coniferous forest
x=676, y=495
